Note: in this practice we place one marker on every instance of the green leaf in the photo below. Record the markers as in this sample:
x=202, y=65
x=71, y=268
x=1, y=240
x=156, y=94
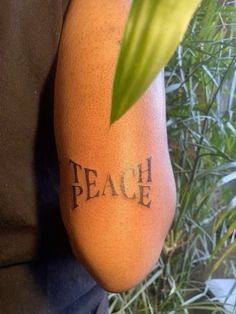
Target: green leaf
x=153, y=31
x=226, y=252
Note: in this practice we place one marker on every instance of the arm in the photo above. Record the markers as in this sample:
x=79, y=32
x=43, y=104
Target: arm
x=117, y=192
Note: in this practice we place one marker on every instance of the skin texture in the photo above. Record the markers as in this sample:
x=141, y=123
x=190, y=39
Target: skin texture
x=116, y=221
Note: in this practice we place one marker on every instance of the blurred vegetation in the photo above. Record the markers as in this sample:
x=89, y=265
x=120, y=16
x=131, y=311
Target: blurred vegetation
x=201, y=122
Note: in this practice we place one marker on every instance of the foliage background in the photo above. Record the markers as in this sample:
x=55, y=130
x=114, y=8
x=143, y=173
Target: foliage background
x=201, y=122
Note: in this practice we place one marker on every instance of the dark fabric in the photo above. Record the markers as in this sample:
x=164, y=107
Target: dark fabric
x=38, y=273
x=47, y=287
x=29, y=35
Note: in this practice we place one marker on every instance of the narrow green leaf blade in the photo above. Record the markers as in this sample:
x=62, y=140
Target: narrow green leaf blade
x=153, y=31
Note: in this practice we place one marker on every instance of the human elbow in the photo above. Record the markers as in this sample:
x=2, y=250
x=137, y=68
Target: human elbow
x=120, y=266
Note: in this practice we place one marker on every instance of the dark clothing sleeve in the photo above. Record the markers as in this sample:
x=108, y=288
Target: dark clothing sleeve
x=38, y=273
x=52, y=286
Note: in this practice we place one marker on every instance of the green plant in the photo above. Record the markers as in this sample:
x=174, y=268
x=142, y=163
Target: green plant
x=153, y=31
x=201, y=109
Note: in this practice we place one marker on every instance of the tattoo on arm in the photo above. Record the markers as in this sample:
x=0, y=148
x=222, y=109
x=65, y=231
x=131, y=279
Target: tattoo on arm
x=85, y=185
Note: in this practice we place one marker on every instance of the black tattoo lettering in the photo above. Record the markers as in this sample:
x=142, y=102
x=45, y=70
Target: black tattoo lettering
x=85, y=187
x=142, y=195
x=76, y=191
x=89, y=183
x=148, y=170
x=109, y=183
x=122, y=185
x=75, y=170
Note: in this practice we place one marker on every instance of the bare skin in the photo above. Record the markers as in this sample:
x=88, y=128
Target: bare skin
x=117, y=190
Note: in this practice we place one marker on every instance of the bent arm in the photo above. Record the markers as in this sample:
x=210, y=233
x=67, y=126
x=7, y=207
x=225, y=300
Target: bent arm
x=117, y=193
